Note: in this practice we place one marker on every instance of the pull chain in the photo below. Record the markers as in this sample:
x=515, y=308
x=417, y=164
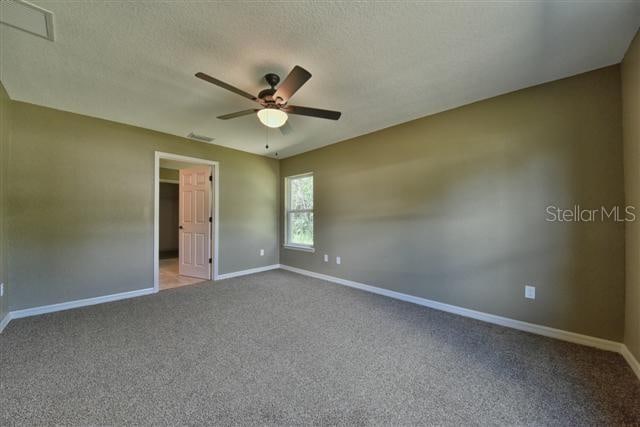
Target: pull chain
x=267, y=138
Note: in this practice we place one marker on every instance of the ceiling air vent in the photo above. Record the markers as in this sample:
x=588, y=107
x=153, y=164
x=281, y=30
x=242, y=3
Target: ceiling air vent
x=200, y=138
x=27, y=17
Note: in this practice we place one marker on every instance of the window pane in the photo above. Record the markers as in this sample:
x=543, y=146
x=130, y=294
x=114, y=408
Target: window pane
x=301, y=228
x=301, y=191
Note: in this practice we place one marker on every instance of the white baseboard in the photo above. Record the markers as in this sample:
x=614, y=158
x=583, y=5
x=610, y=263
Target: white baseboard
x=631, y=360
x=5, y=321
x=486, y=317
x=249, y=271
x=17, y=314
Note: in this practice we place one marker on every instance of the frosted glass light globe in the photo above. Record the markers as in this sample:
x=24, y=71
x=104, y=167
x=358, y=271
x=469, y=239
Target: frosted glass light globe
x=272, y=117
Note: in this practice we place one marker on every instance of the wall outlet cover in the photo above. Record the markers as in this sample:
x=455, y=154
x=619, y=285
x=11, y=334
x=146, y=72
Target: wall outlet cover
x=326, y=258
x=261, y=252
x=338, y=260
x=530, y=292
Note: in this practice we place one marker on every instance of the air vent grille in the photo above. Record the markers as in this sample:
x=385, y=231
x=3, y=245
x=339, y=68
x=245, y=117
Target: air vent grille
x=27, y=17
x=200, y=138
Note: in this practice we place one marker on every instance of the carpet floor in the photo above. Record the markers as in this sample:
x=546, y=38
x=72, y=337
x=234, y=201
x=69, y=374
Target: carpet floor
x=280, y=348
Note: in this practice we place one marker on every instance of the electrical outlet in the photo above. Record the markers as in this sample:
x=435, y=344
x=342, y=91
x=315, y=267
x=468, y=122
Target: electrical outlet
x=338, y=260
x=530, y=292
x=1, y=289
x=261, y=252
x=326, y=258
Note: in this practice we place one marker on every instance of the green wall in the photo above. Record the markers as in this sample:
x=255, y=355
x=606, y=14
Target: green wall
x=5, y=135
x=451, y=207
x=631, y=136
x=172, y=174
x=80, y=206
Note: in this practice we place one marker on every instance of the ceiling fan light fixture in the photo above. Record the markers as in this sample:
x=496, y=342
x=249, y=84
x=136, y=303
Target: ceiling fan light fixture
x=272, y=117
x=274, y=100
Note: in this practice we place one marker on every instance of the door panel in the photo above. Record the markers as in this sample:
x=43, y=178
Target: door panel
x=195, y=227
x=186, y=249
x=201, y=210
x=186, y=204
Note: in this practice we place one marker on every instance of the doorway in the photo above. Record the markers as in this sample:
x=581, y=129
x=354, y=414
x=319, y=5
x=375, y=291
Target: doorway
x=186, y=221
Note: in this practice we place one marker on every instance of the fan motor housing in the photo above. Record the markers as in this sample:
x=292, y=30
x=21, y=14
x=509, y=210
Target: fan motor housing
x=267, y=94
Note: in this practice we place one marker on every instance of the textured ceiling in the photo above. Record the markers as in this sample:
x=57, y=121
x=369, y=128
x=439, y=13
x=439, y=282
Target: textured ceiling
x=379, y=63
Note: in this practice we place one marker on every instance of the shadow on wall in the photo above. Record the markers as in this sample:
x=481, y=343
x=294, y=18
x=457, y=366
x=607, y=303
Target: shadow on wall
x=452, y=207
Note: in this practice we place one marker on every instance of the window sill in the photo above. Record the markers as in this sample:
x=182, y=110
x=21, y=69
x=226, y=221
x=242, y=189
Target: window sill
x=299, y=248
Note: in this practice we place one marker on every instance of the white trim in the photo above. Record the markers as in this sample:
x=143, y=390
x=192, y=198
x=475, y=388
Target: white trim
x=300, y=175
x=216, y=219
x=17, y=314
x=215, y=243
x=287, y=211
x=299, y=248
x=485, y=317
x=169, y=181
x=631, y=360
x=249, y=271
x=533, y=328
x=5, y=321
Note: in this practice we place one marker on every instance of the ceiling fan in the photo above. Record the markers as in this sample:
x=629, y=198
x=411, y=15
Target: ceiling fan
x=274, y=102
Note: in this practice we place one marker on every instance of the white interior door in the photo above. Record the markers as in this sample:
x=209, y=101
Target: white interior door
x=195, y=222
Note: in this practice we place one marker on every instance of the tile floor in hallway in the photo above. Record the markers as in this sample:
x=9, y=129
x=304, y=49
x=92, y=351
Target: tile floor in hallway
x=170, y=278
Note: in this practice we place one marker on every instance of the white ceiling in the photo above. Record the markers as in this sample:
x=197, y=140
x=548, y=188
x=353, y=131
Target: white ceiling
x=379, y=63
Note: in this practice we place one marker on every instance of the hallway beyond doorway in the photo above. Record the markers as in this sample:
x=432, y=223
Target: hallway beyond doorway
x=169, y=277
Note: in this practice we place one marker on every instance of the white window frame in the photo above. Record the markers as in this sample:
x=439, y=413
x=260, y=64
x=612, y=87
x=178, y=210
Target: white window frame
x=287, y=211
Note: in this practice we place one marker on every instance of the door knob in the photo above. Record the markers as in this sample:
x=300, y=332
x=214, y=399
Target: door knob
x=180, y=227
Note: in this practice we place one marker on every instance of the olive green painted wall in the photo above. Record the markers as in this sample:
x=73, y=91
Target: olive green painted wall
x=172, y=174
x=80, y=206
x=451, y=207
x=631, y=136
x=5, y=135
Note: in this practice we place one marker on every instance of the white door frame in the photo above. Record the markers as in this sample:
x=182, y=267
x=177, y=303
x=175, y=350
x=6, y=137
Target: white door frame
x=215, y=209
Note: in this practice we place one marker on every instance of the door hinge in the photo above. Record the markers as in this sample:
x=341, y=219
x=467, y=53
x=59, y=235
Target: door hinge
x=210, y=177
x=210, y=260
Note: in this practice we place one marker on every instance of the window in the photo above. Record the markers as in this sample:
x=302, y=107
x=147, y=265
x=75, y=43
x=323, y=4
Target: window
x=299, y=212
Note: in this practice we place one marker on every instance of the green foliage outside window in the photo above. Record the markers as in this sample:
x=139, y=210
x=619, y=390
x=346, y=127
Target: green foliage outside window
x=300, y=215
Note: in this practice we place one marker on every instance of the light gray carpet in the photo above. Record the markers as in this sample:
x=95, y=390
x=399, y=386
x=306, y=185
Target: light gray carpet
x=280, y=348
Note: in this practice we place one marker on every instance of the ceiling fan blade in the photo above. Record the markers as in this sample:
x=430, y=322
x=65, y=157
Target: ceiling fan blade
x=294, y=81
x=238, y=114
x=227, y=86
x=286, y=128
x=312, y=112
